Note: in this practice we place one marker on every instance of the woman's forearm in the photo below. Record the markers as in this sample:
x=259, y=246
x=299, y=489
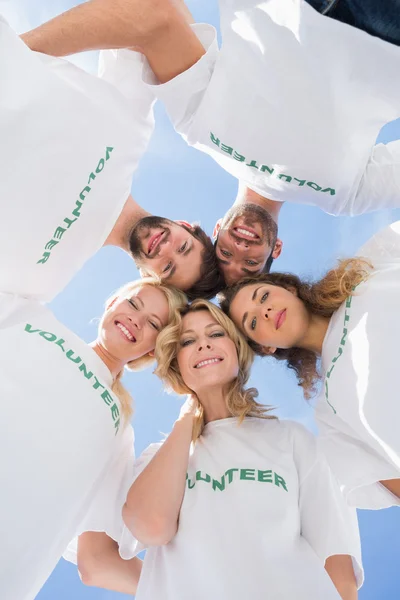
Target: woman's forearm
x=100, y=564
x=340, y=569
x=151, y=511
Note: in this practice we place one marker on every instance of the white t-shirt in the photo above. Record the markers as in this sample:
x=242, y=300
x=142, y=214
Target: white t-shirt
x=260, y=515
x=291, y=104
x=358, y=412
x=70, y=144
x=61, y=432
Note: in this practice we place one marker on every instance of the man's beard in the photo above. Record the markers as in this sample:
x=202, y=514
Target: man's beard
x=141, y=232
x=252, y=214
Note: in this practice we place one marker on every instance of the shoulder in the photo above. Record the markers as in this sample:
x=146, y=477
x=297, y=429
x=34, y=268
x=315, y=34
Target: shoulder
x=282, y=432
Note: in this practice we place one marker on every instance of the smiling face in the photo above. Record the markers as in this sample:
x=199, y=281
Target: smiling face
x=167, y=249
x=246, y=239
x=271, y=316
x=206, y=355
x=130, y=326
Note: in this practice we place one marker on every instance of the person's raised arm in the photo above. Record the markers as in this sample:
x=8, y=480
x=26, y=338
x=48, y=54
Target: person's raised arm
x=153, y=503
x=100, y=564
x=340, y=569
x=158, y=28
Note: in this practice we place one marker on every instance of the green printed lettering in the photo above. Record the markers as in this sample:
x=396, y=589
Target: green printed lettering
x=199, y=477
x=279, y=481
x=51, y=244
x=287, y=177
x=238, y=157
x=190, y=484
x=348, y=303
x=330, y=190
x=100, y=166
x=116, y=426
x=97, y=384
x=230, y=473
x=253, y=164
x=76, y=210
x=266, y=168
x=114, y=412
x=45, y=258
x=314, y=186
x=70, y=356
x=214, y=139
x=59, y=232
x=69, y=222
x=50, y=337
x=264, y=476
x=108, y=152
x=220, y=485
x=301, y=181
x=248, y=474
x=91, y=176
x=227, y=149
x=82, y=195
x=108, y=399
x=60, y=343
x=87, y=374
x=29, y=329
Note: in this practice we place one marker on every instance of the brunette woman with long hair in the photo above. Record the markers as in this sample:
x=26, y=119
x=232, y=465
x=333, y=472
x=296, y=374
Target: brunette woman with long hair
x=341, y=331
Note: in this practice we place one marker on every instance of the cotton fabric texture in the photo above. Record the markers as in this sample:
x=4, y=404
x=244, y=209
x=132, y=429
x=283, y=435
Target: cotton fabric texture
x=260, y=515
x=358, y=410
x=71, y=142
x=291, y=105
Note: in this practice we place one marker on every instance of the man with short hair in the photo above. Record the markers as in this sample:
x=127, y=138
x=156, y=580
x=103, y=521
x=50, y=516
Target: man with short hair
x=70, y=145
x=291, y=105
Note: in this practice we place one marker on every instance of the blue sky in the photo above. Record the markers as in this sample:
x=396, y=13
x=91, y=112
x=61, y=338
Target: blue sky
x=180, y=182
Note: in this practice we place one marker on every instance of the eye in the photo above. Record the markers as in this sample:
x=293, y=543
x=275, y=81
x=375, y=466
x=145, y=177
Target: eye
x=154, y=325
x=264, y=297
x=251, y=263
x=253, y=324
x=217, y=334
x=167, y=268
x=133, y=303
x=183, y=247
x=187, y=342
x=226, y=253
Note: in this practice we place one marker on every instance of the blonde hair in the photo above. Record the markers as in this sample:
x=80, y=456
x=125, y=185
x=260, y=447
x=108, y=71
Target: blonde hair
x=241, y=402
x=176, y=300
x=322, y=298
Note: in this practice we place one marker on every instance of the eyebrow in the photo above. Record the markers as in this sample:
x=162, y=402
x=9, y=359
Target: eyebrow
x=246, y=314
x=255, y=292
x=138, y=300
x=206, y=327
x=250, y=272
x=244, y=319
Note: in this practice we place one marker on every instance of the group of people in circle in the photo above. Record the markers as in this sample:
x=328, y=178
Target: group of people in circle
x=234, y=502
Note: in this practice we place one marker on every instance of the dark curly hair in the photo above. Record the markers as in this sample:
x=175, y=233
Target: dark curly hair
x=211, y=279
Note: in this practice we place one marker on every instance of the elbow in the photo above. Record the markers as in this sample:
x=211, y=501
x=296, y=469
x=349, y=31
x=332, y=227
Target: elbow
x=89, y=570
x=148, y=529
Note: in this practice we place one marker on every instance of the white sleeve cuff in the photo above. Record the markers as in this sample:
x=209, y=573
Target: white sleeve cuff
x=183, y=94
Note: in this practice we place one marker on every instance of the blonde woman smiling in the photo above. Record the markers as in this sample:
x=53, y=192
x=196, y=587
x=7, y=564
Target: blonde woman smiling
x=65, y=436
x=234, y=503
x=349, y=319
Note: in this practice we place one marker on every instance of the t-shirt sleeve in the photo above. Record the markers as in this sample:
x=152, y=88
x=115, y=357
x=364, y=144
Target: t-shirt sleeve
x=384, y=246
x=183, y=95
x=327, y=523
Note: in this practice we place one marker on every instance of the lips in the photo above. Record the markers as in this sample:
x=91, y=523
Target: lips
x=154, y=242
x=207, y=362
x=125, y=332
x=280, y=318
x=246, y=233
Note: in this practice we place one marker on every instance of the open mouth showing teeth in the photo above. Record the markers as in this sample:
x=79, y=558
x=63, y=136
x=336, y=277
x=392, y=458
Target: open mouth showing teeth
x=125, y=331
x=206, y=363
x=154, y=242
x=246, y=233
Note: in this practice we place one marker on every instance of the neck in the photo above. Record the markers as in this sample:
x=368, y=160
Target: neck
x=213, y=401
x=129, y=217
x=315, y=335
x=248, y=196
x=113, y=364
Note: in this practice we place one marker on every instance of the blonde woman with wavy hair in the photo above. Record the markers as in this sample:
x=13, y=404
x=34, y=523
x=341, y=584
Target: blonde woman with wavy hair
x=234, y=503
x=342, y=331
x=71, y=446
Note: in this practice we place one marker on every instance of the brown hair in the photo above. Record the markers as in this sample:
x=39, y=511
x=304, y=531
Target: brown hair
x=176, y=300
x=241, y=402
x=211, y=279
x=322, y=298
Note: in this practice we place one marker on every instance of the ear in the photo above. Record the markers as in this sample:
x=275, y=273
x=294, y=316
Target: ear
x=185, y=224
x=277, y=248
x=267, y=350
x=151, y=353
x=217, y=229
x=111, y=303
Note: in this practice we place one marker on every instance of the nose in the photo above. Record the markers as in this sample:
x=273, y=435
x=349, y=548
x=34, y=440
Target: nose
x=241, y=244
x=137, y=322
x=204, y=346
x=265, y=312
